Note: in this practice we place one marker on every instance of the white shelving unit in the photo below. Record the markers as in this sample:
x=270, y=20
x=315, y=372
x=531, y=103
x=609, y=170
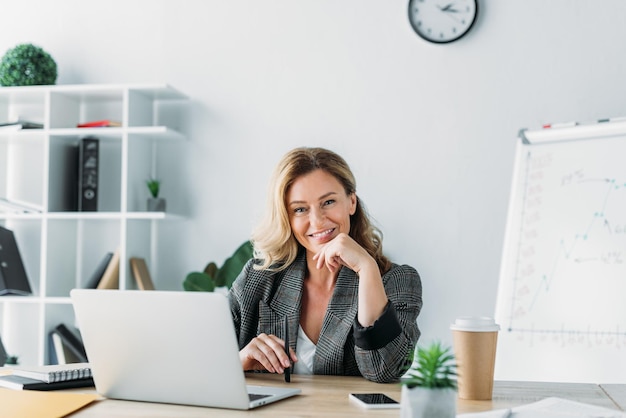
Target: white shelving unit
x=61, y=247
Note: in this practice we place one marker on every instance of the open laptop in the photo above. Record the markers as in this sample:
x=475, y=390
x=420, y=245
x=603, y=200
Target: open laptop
x=170, y=347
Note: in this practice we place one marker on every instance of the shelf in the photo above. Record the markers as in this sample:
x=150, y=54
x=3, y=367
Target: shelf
x=60, y=246
x=36, y=300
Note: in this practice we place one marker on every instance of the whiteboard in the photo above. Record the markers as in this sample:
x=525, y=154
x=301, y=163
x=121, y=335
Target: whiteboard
x=562, y=289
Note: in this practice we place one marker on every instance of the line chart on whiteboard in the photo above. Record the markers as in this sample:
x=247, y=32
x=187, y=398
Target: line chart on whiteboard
x=562, y=291
x=569, y=270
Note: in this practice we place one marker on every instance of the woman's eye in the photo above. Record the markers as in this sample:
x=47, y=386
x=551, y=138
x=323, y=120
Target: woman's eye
x=329, y=202
x=299, y=211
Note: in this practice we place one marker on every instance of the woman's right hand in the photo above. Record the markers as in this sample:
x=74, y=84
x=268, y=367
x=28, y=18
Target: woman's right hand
x=266, y=352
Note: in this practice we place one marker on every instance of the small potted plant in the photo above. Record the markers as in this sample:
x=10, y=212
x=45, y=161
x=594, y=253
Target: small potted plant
x=27, y=65
x=12, y=360
x=155, y=203
x=429, y=388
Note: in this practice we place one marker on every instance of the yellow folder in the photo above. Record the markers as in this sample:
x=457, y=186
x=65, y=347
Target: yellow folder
x=32, y=403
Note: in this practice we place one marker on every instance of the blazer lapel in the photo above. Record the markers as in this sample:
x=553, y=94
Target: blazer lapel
x=286, y=300
x=342, y=310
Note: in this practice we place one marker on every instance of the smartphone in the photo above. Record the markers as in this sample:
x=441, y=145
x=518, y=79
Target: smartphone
x=374, y=400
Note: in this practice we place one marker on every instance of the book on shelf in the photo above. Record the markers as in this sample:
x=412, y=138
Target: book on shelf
x=111, y=277
x=71, y=341
x=13, y=278
x=88, y=177
x=60, y=353
x=141, y=273
x=13, y=206
x=54, y=373
x=3, y=354
x=104, y=123
x=53, y=358
x=16, y=382
x=97, y=274
x=18, y=124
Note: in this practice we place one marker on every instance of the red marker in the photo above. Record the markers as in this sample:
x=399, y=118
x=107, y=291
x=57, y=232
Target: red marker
x=559, y=125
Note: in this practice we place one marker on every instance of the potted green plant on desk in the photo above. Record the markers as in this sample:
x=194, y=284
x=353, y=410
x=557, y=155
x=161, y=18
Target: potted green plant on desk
x=429, y=389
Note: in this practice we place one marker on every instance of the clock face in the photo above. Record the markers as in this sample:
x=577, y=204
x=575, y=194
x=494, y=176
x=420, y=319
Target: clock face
x=442, y=21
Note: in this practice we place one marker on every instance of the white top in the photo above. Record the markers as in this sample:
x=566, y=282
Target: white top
x=306, y=351
x=475, y=324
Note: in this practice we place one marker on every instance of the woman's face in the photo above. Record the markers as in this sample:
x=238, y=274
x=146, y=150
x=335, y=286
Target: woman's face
x=318, y=209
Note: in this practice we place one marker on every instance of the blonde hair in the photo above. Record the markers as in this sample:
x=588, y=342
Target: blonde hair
x=275, y=246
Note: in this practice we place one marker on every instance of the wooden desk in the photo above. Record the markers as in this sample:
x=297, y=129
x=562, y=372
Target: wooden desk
x=327, y=396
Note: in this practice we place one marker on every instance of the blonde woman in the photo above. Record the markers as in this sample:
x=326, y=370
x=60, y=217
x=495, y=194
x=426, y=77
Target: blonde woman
x=319, y=266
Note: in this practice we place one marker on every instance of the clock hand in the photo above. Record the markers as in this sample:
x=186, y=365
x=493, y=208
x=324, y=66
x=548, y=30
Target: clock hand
x=449, y=8
x=454, y=17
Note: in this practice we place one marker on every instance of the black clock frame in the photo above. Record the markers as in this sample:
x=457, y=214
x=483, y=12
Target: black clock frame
x=416, y=30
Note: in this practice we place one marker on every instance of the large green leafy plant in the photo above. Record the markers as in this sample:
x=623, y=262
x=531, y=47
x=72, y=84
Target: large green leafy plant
x=434, y=368
x=27, y=65
x=212, y=276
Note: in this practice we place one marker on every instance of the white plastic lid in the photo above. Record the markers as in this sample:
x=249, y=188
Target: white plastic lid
x=475, y=324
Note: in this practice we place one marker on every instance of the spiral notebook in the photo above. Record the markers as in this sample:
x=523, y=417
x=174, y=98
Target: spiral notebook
x=54, y=373
x=12, y=381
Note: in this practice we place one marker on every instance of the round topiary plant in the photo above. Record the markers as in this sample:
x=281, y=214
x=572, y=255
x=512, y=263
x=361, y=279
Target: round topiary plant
x=27, y=65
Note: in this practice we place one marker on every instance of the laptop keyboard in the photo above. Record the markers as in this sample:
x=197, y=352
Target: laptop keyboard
x=256, y=396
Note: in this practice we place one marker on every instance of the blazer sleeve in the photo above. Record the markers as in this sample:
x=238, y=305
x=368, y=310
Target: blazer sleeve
x=241, y=303
x=389, y=360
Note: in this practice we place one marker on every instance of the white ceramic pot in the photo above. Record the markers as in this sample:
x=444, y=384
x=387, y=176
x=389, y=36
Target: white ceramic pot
x=421, y=402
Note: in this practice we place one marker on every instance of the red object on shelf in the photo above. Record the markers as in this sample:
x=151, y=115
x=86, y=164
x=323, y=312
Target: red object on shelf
x=105, y=123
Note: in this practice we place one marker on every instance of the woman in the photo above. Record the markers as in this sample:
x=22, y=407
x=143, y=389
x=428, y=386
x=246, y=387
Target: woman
x=319, y=265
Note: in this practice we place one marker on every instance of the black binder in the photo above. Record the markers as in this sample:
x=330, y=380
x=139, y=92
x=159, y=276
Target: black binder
x=3, y=354
x=88, y=165
x=72, y=341
x=13, y=278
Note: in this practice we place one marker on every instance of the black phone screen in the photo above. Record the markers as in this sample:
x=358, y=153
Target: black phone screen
x=374, y=398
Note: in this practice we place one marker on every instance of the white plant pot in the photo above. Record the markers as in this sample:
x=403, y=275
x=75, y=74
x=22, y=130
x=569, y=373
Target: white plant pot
x=421, y=402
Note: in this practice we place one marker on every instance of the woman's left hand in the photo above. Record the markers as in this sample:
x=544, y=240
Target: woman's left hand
x=343, y=251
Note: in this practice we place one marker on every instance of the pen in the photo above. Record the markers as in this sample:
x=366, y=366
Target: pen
x=288, y=369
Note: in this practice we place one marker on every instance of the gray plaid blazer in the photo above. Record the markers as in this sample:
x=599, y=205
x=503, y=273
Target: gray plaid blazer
x=260, y=300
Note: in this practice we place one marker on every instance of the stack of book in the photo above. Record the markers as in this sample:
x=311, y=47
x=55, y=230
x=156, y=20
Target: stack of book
x=18, y=124
x=48, y=377
x=106, y=274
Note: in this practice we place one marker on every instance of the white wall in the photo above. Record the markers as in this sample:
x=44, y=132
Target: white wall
x=428, y=129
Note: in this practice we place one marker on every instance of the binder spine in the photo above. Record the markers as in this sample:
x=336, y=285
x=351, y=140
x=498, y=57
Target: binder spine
x=13, y=277
x=88, y=167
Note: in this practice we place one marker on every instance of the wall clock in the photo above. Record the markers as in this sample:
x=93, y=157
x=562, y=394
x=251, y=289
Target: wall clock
x=442, y=21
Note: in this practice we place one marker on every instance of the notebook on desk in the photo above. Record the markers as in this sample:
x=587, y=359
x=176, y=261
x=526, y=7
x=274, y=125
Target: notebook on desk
x=170, y=347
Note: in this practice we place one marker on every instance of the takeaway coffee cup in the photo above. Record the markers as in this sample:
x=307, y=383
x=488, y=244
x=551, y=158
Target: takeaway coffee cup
x=474, y=340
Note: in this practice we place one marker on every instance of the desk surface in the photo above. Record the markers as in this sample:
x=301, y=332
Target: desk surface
x=328, y=396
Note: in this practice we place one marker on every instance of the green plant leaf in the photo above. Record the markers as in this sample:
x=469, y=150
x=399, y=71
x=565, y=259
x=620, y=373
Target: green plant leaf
x=27, y=65
x=233, y=265
x=434, y=367
x=153, y=186
x=199, y=282
x=213, y=277
x=211, y=269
